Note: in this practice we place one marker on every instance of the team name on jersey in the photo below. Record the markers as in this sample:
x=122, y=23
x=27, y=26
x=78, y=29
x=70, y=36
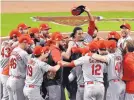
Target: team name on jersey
x=91, y=60
x=18, y=57
x=118, y=58
x=31, y=62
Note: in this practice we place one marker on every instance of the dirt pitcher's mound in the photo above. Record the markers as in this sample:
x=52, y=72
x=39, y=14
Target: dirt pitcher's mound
x=64, y=6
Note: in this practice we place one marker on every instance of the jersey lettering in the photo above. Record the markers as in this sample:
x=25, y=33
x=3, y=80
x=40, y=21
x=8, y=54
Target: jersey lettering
x=96, y=69
x=13, y=63
x=118, y=67
x=29, y=70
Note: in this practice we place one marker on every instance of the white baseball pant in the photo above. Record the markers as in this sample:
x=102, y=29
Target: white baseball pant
x=116, y=90
x=15, y=88
x=129, y=96
x=32, y=92
x=4, y=79
x=94, y=91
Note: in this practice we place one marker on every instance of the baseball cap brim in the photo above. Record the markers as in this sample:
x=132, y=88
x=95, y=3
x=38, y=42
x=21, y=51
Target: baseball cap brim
x=124, y=26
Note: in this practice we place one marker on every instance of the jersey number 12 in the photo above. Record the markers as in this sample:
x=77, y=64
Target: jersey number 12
x=96, y=69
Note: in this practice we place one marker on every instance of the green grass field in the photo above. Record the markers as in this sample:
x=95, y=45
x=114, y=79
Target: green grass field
x=10, y=21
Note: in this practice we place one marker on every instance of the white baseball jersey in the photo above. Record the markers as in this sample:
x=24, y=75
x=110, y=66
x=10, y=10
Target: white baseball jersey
x=87, y=38
x=35, y=71
x=121, y=42
x=76, y=44
x=77, y=72
x=92, y=69
x=115, y=68
x=5, y=54
x=18, y=61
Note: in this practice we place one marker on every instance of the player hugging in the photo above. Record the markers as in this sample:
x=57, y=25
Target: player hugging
x=36, y=65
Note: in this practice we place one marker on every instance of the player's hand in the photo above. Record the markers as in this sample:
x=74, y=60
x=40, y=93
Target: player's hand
x=87, y=9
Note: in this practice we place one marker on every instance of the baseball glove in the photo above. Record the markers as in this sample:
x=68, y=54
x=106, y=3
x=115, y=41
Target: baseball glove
x=78, y=10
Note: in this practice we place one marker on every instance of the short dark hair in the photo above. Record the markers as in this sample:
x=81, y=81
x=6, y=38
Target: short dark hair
x=113, y=39
x=74, y=31
x=37, y=56
x=130, y=45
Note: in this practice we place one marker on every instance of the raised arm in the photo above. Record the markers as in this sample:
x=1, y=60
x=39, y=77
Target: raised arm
x=100, y=58
x=91, y=27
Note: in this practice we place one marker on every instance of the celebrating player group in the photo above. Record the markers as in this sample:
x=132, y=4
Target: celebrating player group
x=37, y=65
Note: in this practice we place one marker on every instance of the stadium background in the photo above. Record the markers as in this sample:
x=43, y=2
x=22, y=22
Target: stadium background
x=14, y=12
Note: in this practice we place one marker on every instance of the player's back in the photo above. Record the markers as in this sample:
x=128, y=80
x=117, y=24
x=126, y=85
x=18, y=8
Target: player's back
x=92, y=69
x=35, y=71
x=115, y=66
x=18, y=61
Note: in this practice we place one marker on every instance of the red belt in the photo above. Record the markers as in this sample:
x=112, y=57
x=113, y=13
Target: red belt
x=82, y=86
x=30, y=86
x=91, y=82
x=115, y=80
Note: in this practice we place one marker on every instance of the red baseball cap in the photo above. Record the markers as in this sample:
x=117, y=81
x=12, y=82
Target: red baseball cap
x=126, y=25
x=93, y=46
x=44, y=26
x=14, y=32
x=111, y=44
x=57, y=36
x=114, y=34
x=102, y=44
x=23, y=26
x=25, y=38
x=38, y=50
x=46, y=48
x=33, y=30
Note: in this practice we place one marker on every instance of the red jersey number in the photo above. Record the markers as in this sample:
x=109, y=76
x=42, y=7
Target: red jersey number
x=29, y=70
x=118, y=67
x=96, y=69
x=13, y=63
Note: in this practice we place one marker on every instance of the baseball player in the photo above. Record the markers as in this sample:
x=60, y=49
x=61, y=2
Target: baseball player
x=17, y=69
x=44, y=30
x=23, y=28
x=128, y=74
x=35, y=35
x=125, y=35
x=6, y=51
x=76, y=42
x=52, y=80
x=36, y=68
x=4, y=63
x=77, y=73
x=4, y=43
x=92, y=73
x=116, y=89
